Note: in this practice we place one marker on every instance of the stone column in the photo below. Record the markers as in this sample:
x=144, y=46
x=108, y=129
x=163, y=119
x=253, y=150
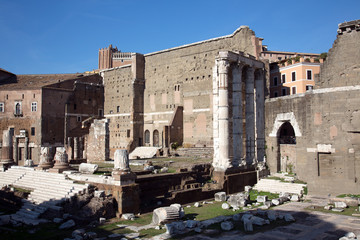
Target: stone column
x=76, y=148
x=61, y=161
x=70, y=148
x=260, y=118
x=223, y=162
x=237, y=115
x=15, y=150
x=121, y=171
x=250, y=117
x=26, y=154
x=45, y=158
x=7, y=149
x=81, y=147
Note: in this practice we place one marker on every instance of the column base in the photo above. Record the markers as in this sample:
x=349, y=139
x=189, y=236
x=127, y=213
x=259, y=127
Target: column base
x=59, y=167
x=44, y=166
x=125, y=177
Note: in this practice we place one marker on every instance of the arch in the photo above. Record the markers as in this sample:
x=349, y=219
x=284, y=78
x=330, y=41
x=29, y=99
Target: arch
x=156, y=138
x=286, y=134
x=285, y=117
x=147, y=137
x=18, y=108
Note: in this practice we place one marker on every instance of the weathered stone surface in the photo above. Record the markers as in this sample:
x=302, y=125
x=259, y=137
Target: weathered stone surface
x=67, y=224
x=289, y=218
x=258, y=221
x=102, y=220
x=128, y=216
x=272, y=215
x=191, y=223
x=28, y=163
x=121, y=160
x=165, y=214
x=4, y=219
x=164, y=170
x=225, y=206
x=247, y=188
x=80, y=231
x=275, y=202
x=99, y=194
x=261, y=199
x=88, y=168
x=328, y=207
x=227, y=226
x=340, y=205
x=220, y=196
x=294, y=198
x=348, y=200
x=236, y=217
x=337, y=209
x=58, y=220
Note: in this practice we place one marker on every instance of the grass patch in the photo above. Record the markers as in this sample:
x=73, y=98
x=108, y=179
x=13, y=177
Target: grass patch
x=107, y=229
x=17, y=189
x=348, y=195
x=147, y=233
x=254, y=194
x=207, y=211
x=347, y=211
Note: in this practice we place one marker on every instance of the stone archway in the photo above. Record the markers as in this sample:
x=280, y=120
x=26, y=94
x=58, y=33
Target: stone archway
x=147, y=137
x=156, y=138
x=287, y=148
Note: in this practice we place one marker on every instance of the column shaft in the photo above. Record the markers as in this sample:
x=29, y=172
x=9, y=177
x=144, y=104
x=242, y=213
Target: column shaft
x=250, y=117
x=237, y=115
x=260, y=118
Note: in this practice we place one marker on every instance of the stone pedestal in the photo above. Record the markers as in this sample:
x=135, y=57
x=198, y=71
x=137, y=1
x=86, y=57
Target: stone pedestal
x=45, y=158
x=61, y=161
x=122, y=170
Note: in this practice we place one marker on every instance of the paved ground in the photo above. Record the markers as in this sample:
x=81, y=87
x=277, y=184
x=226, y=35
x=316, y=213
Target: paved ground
x=308, y=225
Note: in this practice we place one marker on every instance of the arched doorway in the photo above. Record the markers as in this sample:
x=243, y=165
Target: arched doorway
x=287, y=148
x=147, y=138
x=156, y=138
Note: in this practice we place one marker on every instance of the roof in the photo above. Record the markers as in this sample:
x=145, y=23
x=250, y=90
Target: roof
x=37, y=81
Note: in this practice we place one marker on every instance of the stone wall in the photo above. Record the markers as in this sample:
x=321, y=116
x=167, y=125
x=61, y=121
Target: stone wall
x=97, y=142
x=325, y=123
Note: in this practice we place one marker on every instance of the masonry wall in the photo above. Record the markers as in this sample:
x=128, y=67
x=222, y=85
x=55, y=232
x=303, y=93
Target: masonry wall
x=326, y=123
x=183, y=77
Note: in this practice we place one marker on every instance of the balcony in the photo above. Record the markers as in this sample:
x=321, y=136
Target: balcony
x=18, y=114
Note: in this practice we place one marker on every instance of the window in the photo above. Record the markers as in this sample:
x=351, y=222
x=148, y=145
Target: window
x=293, y=89
x=309, y=87
x=34, y=106
x=100, y=112
x=128, y=133
x=293, y=76
x=32, y=131
x=118, y=109
x=275, y=81
x=309, y=74
x=78, y=118
x=283, y=78
x=18, y=108
x=275, y=94
x=2, y=107
x=75, y=106
x=283, y=91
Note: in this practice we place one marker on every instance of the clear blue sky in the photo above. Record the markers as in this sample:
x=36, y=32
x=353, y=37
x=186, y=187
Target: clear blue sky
x=64, y=36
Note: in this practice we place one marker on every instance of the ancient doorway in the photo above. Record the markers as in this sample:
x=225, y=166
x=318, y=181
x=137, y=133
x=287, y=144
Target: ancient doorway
x=156, y=138
x=287, y=148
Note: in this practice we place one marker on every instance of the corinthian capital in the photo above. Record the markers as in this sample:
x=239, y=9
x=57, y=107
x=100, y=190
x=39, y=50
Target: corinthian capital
x=223, y=65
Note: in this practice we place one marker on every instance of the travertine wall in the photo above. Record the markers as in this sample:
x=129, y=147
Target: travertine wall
x=326, y=123
x=97, y=142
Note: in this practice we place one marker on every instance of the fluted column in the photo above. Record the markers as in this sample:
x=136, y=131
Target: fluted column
x=26, y=152
x=250, y=117
x=76, y=147
x=15, y=150
x=237, y=118
x=224, y=158
x=45, y=158
x=260, y=118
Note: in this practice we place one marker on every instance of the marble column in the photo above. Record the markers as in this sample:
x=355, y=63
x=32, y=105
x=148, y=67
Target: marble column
x=81, y=147
x=121, y=172
x=237, y=118
x=223, y=113
x=250, y=117
x=45, y=158
x=70, y=148
x=15, y=150
x=7, y=148
x=260, y=117
x=26, y=152
x=76, y=148
x=61, y=161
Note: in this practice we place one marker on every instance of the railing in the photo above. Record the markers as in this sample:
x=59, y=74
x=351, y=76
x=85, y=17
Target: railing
x=18, y=114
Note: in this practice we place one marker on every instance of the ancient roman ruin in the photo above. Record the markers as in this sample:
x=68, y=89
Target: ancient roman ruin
x=210, y=96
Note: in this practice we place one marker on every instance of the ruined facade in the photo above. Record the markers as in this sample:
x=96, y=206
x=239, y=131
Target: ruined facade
x=168, y=96
x=46, y=111
x=316, y=134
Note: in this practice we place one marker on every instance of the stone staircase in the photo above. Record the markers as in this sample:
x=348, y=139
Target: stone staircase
x=277, y=186
x=199, y=152
x=47, y=191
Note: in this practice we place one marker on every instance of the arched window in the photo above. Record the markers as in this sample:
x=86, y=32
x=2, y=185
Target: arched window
x=18, y=109
x=287, y=134
x=147, y=136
